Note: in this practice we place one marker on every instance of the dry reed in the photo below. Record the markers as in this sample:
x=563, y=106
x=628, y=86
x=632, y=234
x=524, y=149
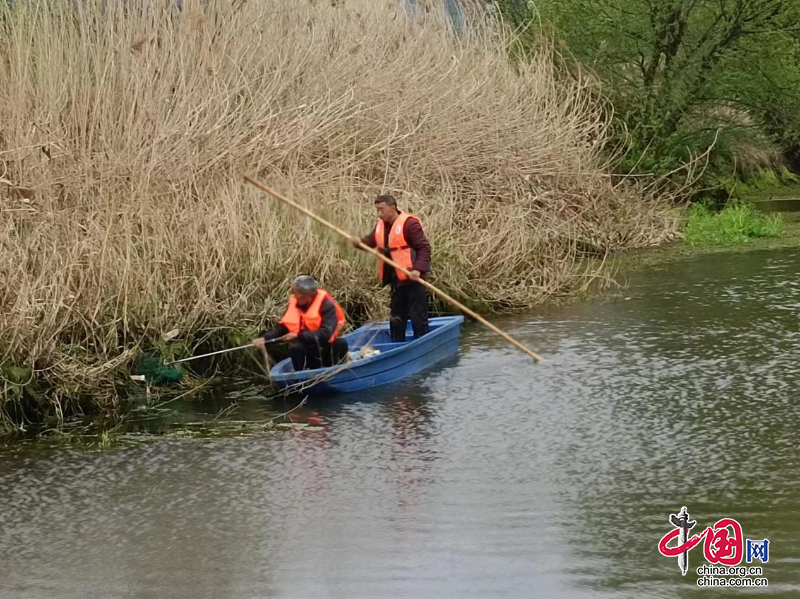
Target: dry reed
x=126, y=127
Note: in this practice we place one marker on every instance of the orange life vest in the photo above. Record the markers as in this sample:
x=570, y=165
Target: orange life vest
x=296, y=320
x=399, y=250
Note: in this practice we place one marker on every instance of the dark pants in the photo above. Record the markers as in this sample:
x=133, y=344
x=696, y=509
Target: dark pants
x=307, y=356
x=409, y=301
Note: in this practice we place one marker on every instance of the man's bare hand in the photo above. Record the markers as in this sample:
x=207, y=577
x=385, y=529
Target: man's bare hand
x=356, y=242
x=415, y=274
x=259, y=342
x=289, y=337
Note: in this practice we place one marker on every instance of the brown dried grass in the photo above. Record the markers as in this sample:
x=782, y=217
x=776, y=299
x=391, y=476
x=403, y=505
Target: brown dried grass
x=130, y=130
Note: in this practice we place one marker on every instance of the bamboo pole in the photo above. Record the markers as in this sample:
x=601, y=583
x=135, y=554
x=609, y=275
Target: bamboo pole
x=393, y=264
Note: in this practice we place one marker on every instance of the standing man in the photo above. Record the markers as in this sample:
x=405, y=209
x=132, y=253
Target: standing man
x=400, y=237
x=311, y=324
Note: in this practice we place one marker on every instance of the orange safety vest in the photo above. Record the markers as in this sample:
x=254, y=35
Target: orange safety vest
x=399, y=251
x=296, y=320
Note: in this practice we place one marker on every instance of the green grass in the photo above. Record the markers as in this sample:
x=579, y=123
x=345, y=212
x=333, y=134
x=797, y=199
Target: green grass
x=761, y=184
x=735, y=224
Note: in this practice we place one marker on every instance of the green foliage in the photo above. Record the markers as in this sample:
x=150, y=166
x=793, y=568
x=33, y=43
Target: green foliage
x=735, y=224
x=765, y=73
x=518, y=13
x=172, y=350
x=17, y=375
x=788, y=178
x=21, y=383
x=241, y=336
x=521, y=17
x=684, y=75
x=106, y=441
x=764, y=179
x=755, y=183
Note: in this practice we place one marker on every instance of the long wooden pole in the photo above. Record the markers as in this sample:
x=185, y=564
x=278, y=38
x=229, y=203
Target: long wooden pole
x=221, y=351
x=393, y=264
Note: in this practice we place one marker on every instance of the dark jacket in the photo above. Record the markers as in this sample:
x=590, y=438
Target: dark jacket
x=420, y=250
x=329, y=321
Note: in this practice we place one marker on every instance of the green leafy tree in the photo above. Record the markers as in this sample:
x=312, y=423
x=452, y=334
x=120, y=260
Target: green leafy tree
x=677, y=70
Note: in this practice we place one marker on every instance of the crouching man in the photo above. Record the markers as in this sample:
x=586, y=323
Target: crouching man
x=311, y=325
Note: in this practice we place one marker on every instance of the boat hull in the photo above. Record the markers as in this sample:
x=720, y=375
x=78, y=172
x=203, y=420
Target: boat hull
x=395, y=361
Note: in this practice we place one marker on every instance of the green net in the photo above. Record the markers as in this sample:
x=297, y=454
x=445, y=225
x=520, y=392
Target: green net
x=155, y=372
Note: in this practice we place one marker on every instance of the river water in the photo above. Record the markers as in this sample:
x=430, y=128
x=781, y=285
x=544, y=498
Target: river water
x=488, y=477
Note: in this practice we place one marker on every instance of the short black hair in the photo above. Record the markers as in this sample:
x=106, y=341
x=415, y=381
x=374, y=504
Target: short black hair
x=388, y=200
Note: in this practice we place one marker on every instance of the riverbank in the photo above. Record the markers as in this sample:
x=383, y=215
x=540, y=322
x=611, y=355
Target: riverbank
x=785, y=198
x=228, y=407
x=125, y=225
x=768, y=202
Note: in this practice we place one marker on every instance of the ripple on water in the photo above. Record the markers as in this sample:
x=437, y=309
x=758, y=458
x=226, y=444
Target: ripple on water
x=489, y=476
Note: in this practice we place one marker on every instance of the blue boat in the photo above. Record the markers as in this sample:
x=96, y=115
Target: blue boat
x=395, y=360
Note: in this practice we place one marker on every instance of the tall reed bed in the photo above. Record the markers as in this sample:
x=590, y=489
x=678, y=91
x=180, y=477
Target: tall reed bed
x=126, y=127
